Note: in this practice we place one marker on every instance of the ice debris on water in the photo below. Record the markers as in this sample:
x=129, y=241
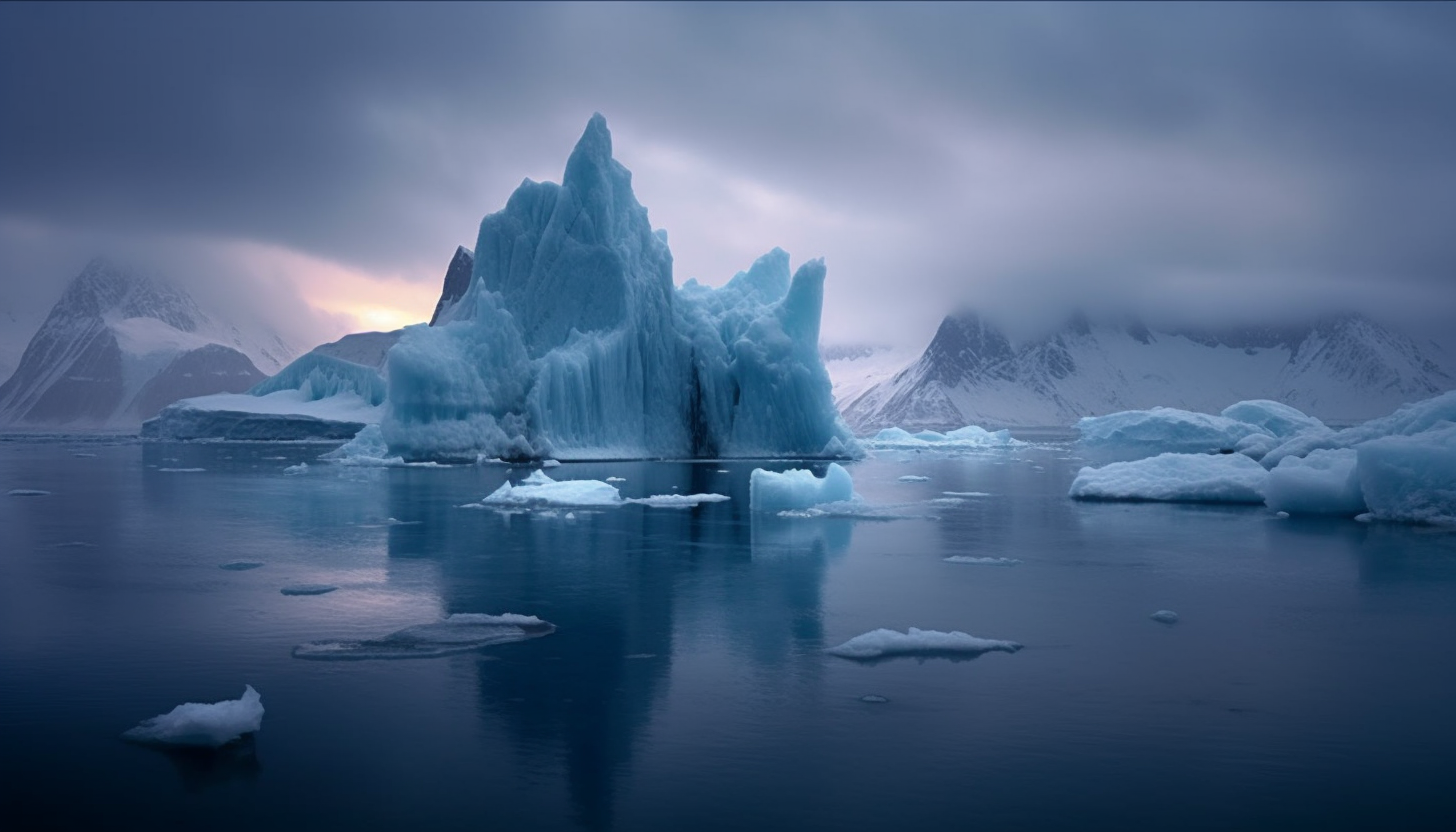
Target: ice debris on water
x=240, y=565
x=182, y=470
x=1165, y=617
x=457, y=633
x=678, y=500
x=913, y=478
x=966, y=493
x=294, y=470
x=308, y=589
x=883, y=643
x=616, y=479
x=200, y=724
x=26, y=492
x=873, y=699
x=537, y=489
x=982, y=561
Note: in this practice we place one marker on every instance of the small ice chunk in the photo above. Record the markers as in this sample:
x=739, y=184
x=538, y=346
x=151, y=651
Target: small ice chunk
x=722, y=470
x=198, y=724
x=966, y=493
x=293, y=470
x=308, y=589
x=1205, y=478
x=540, y=490
x=26, y=492
x=458, y=633
x=1165, y=617
x=913, y=478
x=241, y=565
x=550, y=463
x=982, y=561
x=677, y=500
x=798, y=489
x=641, y=656
x=882, y=643
x=616, y=479
x=1282, y=515
x=182, y=470
x=873, y=699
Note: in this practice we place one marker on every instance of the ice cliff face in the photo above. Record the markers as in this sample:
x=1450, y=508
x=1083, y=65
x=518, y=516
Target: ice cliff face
x=572, y=341
x=1341, y=368
x=120, y=345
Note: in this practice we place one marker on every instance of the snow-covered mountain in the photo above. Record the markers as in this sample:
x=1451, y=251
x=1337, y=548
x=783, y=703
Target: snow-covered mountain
x=119, y=345
x=1341, y=368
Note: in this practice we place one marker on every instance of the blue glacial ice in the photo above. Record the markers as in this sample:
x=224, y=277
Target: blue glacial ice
x=572, y=342
x=1411, y=479
x=1325, y=482
x=798, y=489
x=970, y=437
x=1133, y=434
x=1409, y=420
x=203, y=724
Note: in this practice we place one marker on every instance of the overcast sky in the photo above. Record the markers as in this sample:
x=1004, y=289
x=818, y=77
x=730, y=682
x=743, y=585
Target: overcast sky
x=1177, y=160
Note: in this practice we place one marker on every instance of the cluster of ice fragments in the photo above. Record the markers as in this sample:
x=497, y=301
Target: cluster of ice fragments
x=970, y=437
x=203, y=724
x=573, y=342
x=1400, y=467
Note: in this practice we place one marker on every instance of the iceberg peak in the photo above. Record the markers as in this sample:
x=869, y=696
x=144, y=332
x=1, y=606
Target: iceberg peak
x=573, y=341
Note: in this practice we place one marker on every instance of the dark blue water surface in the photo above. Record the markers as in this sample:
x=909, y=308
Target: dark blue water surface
x=1310, y=683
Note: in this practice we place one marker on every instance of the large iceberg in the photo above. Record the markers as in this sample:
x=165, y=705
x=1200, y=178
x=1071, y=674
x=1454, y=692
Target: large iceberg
x=1325, y=482
x=1409, y=420
x=572, y=341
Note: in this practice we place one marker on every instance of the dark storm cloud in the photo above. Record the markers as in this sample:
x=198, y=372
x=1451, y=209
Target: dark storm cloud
x=1021, y=156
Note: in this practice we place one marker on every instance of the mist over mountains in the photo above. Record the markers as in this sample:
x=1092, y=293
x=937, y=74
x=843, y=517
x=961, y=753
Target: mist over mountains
x=1342, y=368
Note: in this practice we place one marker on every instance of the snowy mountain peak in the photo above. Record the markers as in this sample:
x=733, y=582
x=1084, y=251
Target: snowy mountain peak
x=457, y=281
x=120, y=344
x=1339, y=367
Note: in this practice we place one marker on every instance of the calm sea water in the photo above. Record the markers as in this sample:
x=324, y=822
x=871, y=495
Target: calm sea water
x=1309, y=685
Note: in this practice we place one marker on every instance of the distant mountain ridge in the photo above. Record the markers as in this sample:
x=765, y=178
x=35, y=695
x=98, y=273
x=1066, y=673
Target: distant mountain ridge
x=1340, y=368
x=119, y=345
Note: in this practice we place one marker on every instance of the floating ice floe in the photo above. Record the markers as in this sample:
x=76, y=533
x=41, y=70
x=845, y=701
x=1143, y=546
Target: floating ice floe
x=1325, y=482
x=308, y=589
x=884, y=643
x=970, y=437
x=200, y=724
x=537, y=489
x=913, y=478
x=457, y=633
x=26, y=492
x=182, y=470
x=616, y=479
x=677, y=500
x=1220, y=478
x=1134, y=434
x=798, y=489
x=982, y=561
x=1165, y=617
x=294, y=470
x=240, y=565
x=966, y=493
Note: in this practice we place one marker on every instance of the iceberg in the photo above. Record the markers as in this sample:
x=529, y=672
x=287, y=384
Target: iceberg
x=677, y=500
x=1280, y=420
x=1325, y=482
x=798, y=489
x=1165, y=617
x=1203, y=478
x=1410, y=419
x=572, y=342
x=883, y=643
x=199, y=724
x=457, y=633
x=1410, y=479
x=1134, y=434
